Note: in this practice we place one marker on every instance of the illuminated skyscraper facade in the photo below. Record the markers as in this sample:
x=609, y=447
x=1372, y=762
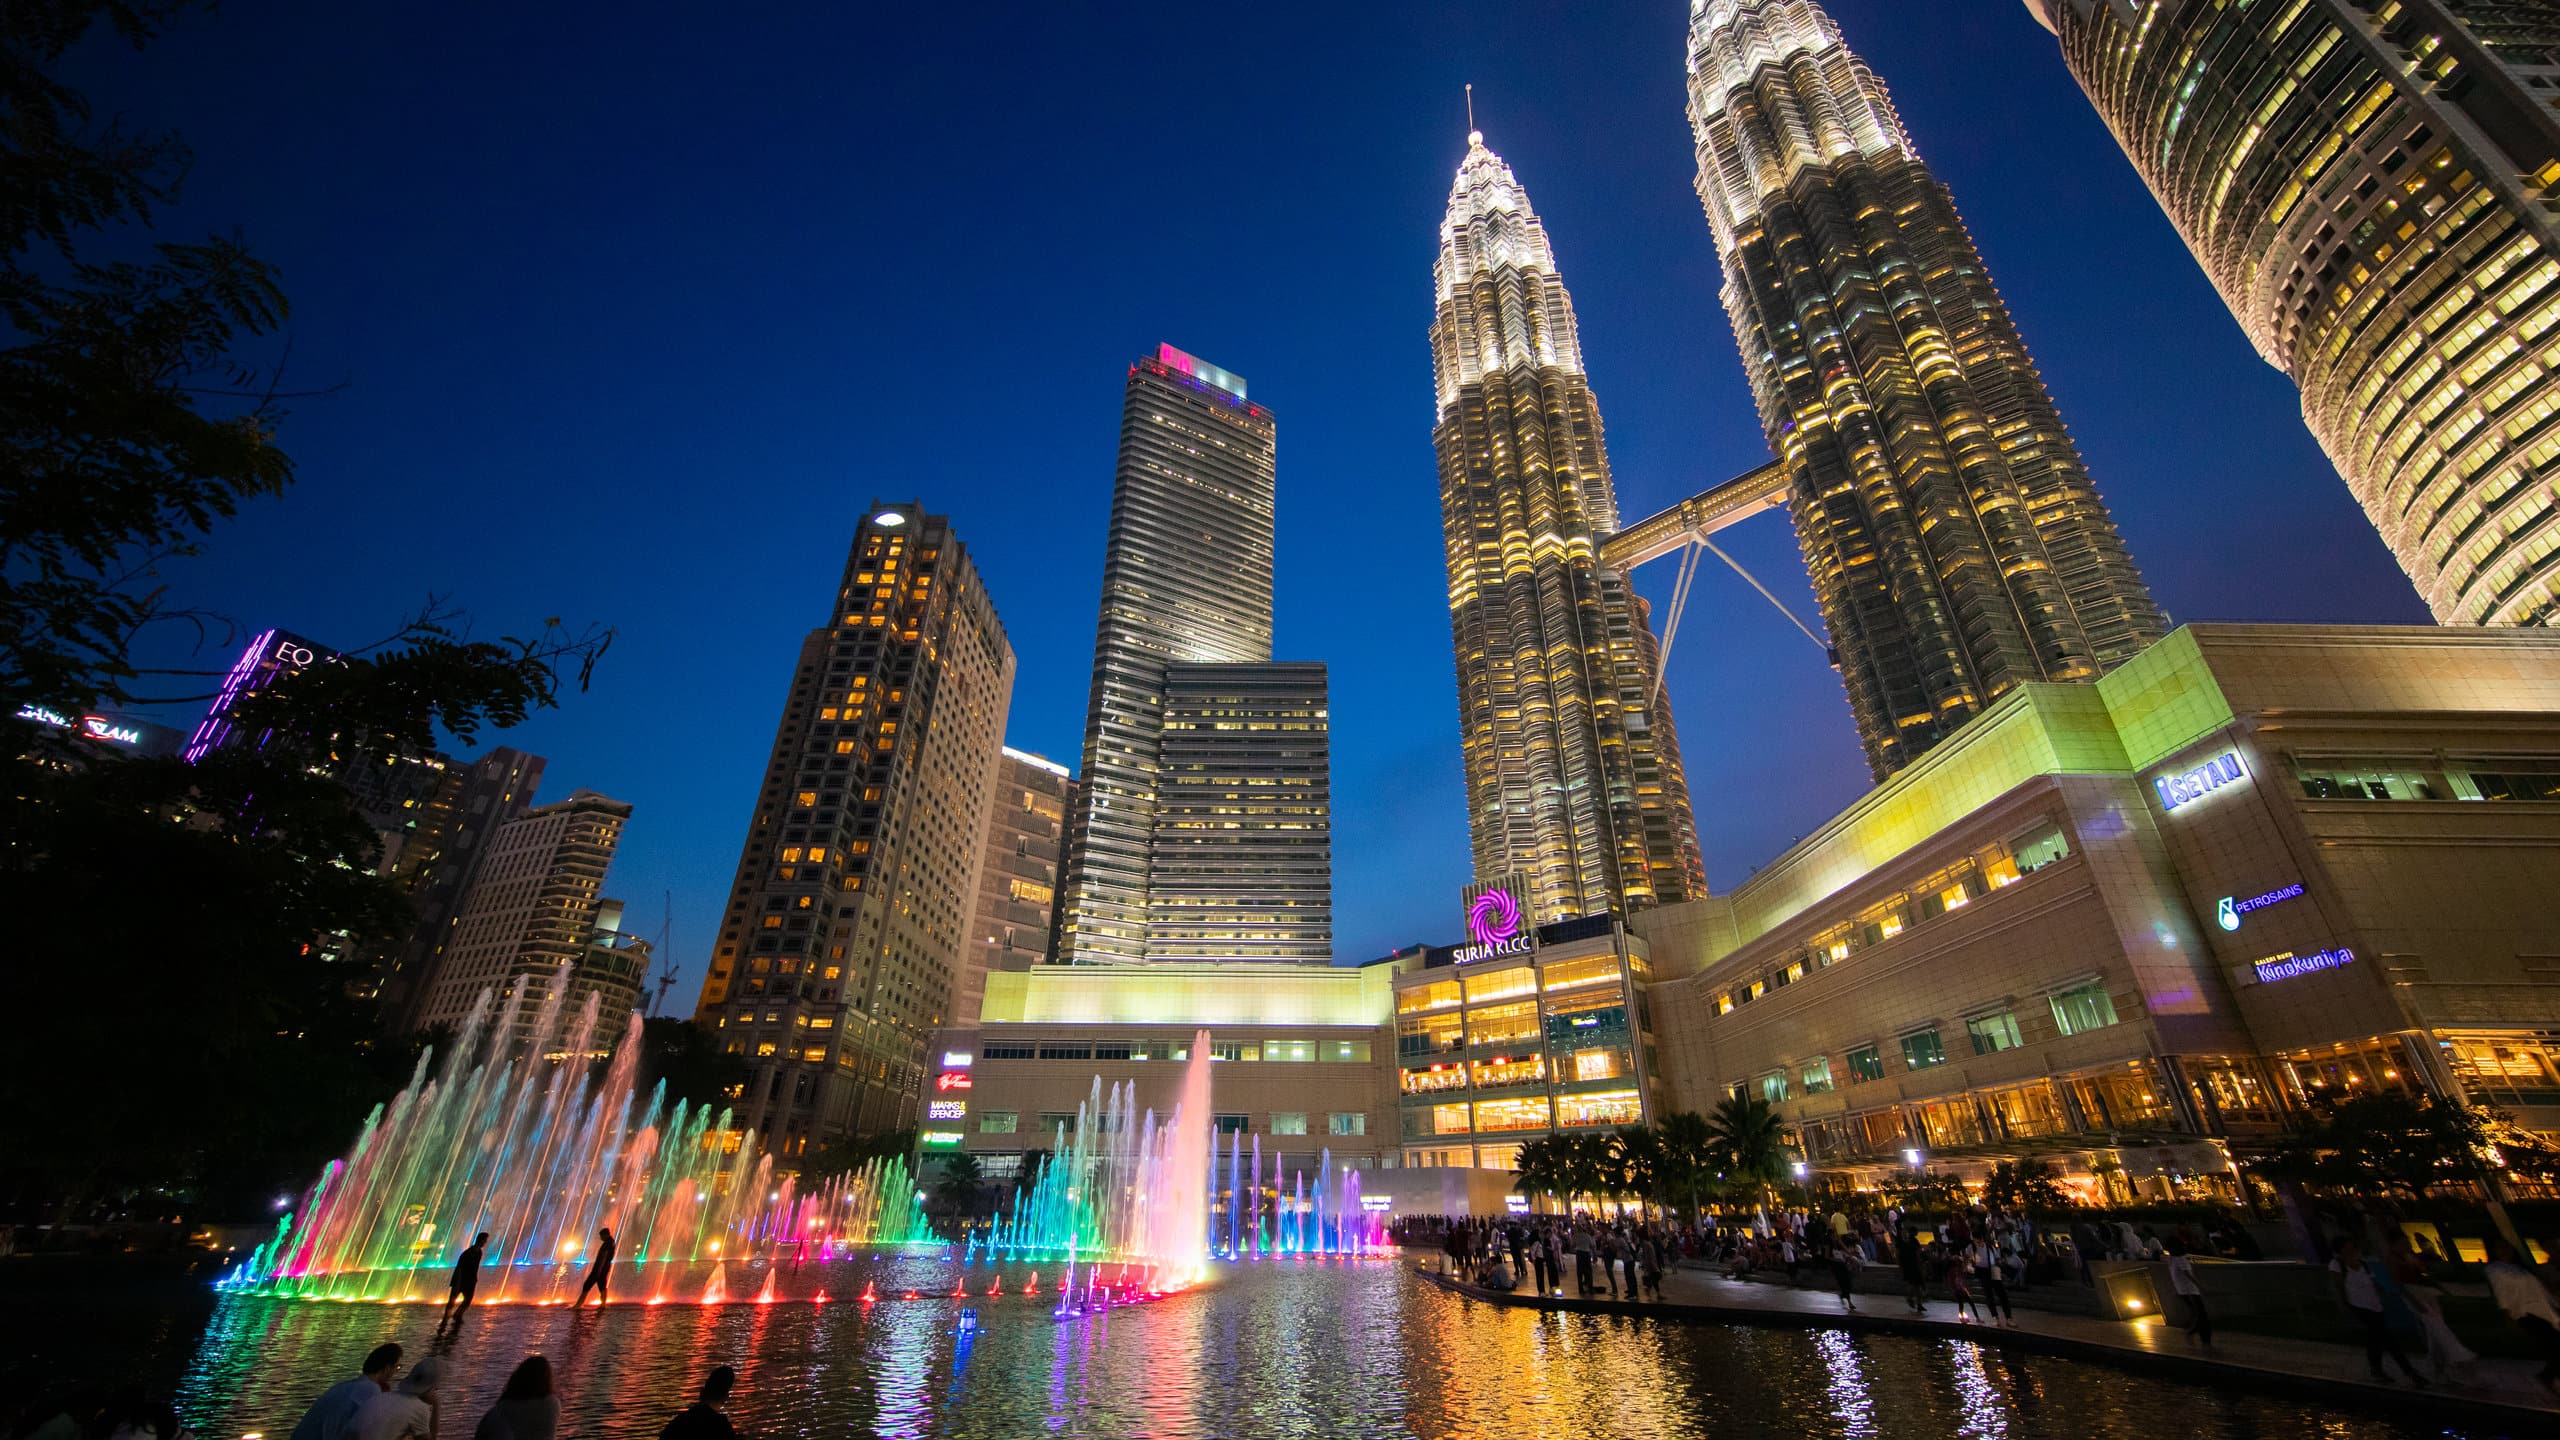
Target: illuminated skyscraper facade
x=1241, y=863
x=1572, y=764
x=2372, y=187
x=843, y=947
x=1955, y=540
x=1186, y=589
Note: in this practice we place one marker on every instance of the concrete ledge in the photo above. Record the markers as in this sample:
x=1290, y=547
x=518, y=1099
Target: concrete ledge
x=2437, y=1405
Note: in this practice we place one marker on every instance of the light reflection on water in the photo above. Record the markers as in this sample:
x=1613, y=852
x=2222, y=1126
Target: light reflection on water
x=1284, y=1350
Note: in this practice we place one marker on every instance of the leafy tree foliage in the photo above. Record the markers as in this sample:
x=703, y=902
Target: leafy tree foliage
x=1749, y=1143
x=848, y=1153
x=2387, y=1143
x=690, y=1063
x=176, y=1040
x=2024, y=1185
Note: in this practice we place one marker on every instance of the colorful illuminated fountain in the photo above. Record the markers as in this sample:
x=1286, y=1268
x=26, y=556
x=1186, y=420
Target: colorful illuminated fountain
x=541, y=1155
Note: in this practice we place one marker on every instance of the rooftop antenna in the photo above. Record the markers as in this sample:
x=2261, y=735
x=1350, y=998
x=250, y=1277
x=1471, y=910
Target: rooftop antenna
x=1472, y=131
x=666, y=954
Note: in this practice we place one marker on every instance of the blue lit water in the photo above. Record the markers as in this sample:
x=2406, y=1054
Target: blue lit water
x=1313, y=1349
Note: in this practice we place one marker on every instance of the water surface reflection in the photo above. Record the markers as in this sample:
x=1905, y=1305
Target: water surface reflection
x=1285, y=1349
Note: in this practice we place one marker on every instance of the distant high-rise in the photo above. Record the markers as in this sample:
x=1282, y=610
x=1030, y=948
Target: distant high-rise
x=1954, y=538
x=531, y=919
x=437, y=863
x=1241, y=866
x=1572, y=764
x=2375, y=190
x=273, y=655
x=1186, y=582
x=842, y=945
x=1017, y=877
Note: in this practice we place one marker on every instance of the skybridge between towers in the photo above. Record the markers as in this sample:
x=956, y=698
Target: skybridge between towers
x=1685, y=528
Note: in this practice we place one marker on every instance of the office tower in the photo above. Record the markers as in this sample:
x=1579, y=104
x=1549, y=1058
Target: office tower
x=531, y=916
x=1017, y=876
x=1186, y=579
x=1956, y=543
x=436, y=865
x=2372, y=188
x=270, y=657
x=842, y=944
x=1241, y=864
x=1572, y=764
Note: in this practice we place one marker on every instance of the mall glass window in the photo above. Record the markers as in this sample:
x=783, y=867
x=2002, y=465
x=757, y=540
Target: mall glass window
x=1288, y=1122
x=2082, y=1008
x=998, y=1122
x=2027, y=1111
x=1502, y=984
x=2326, y=778
x=1052, y=1121
x=1866, y=1063
x=1816, y=1074
x=1504, y=1070
x=1523, y=1114
x=1773, y=1088
x=1234, y=1124
x=1061, y=1050
x=1450, y=1120
x=1573, y=974
x=1419, y=1081
x=1920, y=1050
x=993, y=1051
x=1430, y=1034
x=1288, y=1050
x=2126, y=1099
x=1347, y=1051
x=1110, y=1050
x=1503, y=1024
x=1347, y=1122
x=1427, y=997
x=1607, y=1107
x=1235, y=1050
x=1992, y=1034
x=2518, y=1067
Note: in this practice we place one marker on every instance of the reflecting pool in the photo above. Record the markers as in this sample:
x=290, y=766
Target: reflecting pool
x=1316, y=1348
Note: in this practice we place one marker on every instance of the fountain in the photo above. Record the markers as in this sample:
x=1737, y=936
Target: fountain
x=505, y=1138
x=541, y=1154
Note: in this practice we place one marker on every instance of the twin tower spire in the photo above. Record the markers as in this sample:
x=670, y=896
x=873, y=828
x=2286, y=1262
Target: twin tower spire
x=1953, y=536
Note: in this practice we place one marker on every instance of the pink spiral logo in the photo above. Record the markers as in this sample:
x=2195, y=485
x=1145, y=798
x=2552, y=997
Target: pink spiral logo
x=1494, y=918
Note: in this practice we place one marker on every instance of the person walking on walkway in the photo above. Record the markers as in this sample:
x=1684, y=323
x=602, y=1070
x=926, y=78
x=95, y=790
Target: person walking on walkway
x=329, y=1416
x=598, y=1277
x=2527, y=1303
x=1845, y=1259
x=1554, y=1251
x=702, y=1419
x=2190, y=1291
x=2363, y=1300
x=1984, y=1257
x=1581, y=1244
x=2423, y=1298
x=527, y=1409
x=465, y=1282
x=1915, y=1269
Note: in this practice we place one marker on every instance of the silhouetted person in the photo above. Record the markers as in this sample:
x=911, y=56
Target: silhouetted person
x=466, y=1280
x=527, y=1409
x=597, y=1276
x=329, y=1416
x=702, y=1419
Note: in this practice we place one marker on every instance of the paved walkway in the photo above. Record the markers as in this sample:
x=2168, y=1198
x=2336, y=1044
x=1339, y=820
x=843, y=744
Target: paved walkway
x=2498, y=1393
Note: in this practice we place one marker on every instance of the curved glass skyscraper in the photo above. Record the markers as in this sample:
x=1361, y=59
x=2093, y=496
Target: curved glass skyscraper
x=1572, y=765
x=2372, y=186
x=1955, y=540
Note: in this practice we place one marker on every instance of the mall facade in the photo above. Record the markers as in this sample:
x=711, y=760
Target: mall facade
x=2133, y=928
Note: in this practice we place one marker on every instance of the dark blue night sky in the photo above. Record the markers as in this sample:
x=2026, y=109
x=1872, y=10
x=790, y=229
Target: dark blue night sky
x=636, y=306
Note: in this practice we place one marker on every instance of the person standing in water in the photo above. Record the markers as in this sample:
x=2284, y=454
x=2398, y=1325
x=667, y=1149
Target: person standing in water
x=466, y=1281
x=596, y=1278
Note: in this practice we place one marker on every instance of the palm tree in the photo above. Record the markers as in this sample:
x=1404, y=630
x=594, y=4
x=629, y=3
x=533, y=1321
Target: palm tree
x=1687, y=1148
x=1640, y=1161
x=1541, y=1167
x=1592, y=1167
x=1750, y=1142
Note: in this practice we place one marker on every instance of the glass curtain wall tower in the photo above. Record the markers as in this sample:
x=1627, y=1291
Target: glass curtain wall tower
x=1955, y=540
x=1186, y=581
x=2372, y=186
x=1572, y=763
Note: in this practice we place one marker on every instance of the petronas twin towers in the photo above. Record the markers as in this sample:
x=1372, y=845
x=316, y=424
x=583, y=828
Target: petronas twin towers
x=1954, y=538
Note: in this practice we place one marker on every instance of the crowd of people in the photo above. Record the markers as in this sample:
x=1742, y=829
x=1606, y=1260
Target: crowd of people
x=1981, y=1255
x=376, y=1403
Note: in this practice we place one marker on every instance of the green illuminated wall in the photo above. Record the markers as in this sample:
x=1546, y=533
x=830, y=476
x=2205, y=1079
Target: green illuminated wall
x=1213, y=995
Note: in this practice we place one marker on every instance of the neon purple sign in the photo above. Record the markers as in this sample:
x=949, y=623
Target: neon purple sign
x=1493, y=923
x=1494, y=918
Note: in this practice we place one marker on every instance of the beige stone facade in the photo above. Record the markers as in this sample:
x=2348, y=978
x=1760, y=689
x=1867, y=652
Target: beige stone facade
x=2020, y=946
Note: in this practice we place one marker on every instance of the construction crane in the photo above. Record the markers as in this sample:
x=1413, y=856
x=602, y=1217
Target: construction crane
x=666, y=955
